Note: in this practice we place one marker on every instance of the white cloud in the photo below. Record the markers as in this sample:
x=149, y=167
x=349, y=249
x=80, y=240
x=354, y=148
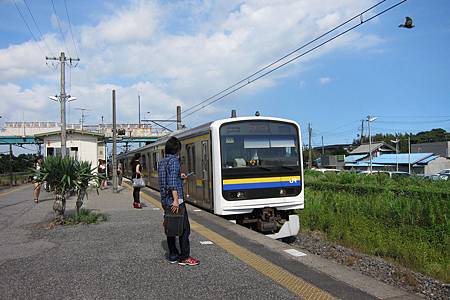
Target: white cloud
x=324, y=80
x=137, y=48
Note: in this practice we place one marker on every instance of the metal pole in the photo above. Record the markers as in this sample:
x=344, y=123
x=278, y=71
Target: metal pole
x=10, y=165
x=409, y=154
x=114, y=145
x=309, y=147
x=139, y=112
x=323, y=149
x=62, y=99
x=370, y=146
x=396, y=153
x=178, y=117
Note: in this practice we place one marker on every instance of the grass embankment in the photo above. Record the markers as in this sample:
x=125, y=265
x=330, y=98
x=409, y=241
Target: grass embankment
x=406, y=221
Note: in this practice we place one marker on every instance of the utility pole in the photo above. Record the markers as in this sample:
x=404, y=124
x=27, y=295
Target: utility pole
x=396, y=150
x=309, y=147
x=114, y=145
x=10, y=165
x=409, y=154
x=139, y=113
x=370, y=119
x=83, y=116
x=323, y=149
x=178, y=117
x=62, y=97
x=362, y=132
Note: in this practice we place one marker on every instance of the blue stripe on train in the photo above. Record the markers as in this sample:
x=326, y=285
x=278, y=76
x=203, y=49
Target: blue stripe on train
x=260, y=185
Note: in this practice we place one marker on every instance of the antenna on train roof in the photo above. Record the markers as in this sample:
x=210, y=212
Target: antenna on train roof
x=257, y=113
x=233, y=113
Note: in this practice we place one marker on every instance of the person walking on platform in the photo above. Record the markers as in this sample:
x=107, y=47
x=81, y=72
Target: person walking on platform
x=119, y=173
x=37, y=185
x=171, y=189
x=136, y=172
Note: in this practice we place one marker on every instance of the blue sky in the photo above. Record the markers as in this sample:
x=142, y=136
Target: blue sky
x=182, y=52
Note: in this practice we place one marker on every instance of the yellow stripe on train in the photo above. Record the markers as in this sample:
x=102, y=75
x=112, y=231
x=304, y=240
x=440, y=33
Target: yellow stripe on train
x=261, y=179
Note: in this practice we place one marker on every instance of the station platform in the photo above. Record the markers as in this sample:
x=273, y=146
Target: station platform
x=125, y=257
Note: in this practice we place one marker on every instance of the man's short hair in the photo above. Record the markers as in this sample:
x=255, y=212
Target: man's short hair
x=173, y=145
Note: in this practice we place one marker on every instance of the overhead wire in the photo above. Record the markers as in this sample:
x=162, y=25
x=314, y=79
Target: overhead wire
x=37, y=26
x=59, y=26
x=283, y=57
x=249, y=79
x=70, y=28
x=28, y=27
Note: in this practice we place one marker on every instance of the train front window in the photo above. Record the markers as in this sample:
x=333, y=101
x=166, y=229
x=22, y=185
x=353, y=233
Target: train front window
x=259, y=144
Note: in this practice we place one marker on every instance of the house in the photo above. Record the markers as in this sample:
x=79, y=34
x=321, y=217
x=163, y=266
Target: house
x=421, y=163
x=438, y=148
x=376, y=149
x=82, y=145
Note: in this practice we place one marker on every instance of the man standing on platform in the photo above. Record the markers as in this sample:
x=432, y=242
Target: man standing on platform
x=171, y=189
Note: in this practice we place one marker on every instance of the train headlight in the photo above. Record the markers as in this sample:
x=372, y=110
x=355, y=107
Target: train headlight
x=240, y=195
x=283, y=192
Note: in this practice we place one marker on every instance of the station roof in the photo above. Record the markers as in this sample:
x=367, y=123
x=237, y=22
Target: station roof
x=69, y=131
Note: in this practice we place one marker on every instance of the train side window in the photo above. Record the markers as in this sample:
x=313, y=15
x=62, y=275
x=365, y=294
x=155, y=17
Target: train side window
x=144, y=161
x=193, y=158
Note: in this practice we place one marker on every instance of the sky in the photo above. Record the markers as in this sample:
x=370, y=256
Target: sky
x=182, y=52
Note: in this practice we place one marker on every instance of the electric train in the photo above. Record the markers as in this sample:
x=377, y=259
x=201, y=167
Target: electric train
x=247, y=169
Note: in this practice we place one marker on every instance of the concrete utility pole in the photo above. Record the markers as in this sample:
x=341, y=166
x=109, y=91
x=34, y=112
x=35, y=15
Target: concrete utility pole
x=362, y=132
x=323, y=149
x=370, y=119
x=409, y=154
x=83, y=116
x=114, y=145
x=10, y=165
x=178, y=117
x=62, y=97
x=310, y=146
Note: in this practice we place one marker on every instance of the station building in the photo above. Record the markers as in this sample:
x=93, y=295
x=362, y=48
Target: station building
x=82, y=145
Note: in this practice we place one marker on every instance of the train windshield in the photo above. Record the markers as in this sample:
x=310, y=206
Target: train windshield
x=260, y=145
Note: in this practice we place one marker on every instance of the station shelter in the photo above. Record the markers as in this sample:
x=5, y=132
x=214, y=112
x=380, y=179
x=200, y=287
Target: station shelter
x=82, y=145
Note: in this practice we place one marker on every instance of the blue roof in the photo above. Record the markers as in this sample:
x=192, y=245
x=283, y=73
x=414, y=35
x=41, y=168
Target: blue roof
x=354, y=158
x=428, y=159
x=403, y=158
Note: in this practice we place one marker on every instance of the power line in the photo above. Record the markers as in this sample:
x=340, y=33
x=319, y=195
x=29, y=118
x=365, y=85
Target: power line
x=70, y=28
x=249, y=81
x=37, y=26
x=282, y=58
x=29, y=29
x=59, y=26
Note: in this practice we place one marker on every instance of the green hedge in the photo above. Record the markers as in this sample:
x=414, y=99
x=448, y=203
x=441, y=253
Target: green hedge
x=409, y=226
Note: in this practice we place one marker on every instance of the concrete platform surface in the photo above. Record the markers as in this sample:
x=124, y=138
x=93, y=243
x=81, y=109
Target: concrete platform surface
x=124, y=257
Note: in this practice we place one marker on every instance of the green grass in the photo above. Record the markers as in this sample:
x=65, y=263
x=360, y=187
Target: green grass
x=388, y=220
x=85, y=217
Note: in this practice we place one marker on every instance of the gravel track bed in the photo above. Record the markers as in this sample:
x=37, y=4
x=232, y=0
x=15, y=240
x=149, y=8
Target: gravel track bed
x=375, y=267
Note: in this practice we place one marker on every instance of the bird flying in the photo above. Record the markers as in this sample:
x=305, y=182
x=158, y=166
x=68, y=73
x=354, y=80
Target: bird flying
x=408, y=23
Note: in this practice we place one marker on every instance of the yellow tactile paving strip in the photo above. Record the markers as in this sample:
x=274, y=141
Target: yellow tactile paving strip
x=284, y=278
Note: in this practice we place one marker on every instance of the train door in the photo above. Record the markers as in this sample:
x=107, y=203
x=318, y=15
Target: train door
x=206, y=196
x=191, y=187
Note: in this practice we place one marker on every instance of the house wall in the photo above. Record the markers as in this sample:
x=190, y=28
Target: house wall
x=437, y=165
x=88, y=147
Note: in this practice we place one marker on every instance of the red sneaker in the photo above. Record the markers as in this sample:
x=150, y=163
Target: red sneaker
x=190, y=261
x=137, y=205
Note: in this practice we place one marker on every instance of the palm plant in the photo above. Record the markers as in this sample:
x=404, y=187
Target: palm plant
x=64, y=175
x=85, y=175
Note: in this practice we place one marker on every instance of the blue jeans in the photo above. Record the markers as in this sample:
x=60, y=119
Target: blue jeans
x=183, y=239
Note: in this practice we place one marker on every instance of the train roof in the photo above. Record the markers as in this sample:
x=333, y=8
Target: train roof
x=184, y=133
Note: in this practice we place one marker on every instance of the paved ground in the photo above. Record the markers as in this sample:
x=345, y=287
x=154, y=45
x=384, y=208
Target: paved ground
x=125, y=257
